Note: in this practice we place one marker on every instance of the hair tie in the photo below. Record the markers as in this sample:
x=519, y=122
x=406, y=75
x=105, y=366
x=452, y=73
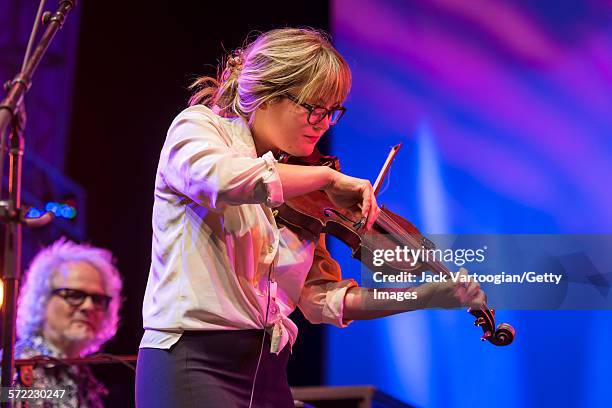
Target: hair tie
x=234, y=60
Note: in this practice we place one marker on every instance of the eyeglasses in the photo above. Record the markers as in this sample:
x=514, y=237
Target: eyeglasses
x=317, y=113
x=76, y=297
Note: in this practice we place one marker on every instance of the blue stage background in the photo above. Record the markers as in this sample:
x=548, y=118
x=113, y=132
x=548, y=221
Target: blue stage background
x=504, y=112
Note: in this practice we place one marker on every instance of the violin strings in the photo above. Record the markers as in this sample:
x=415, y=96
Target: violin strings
x=389, y=224
x=406, y=237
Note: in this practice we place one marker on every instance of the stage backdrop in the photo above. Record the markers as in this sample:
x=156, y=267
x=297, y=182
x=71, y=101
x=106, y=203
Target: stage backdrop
x=504, y=112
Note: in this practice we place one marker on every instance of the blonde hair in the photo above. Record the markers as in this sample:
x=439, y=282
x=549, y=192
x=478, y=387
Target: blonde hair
x=299, y=60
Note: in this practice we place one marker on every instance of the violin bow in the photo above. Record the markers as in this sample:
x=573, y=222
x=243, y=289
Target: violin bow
x=381, y=177
x=385, y=168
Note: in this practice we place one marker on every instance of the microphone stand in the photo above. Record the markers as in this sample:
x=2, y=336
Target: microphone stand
x=12, y=113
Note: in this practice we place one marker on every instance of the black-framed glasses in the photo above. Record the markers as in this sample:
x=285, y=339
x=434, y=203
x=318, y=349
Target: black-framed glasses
x=316, y=114
x=76, y=297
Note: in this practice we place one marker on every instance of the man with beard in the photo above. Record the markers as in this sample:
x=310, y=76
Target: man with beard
x=68, y=307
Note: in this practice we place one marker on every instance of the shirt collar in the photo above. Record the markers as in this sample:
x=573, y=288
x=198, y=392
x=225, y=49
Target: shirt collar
x=244, y=138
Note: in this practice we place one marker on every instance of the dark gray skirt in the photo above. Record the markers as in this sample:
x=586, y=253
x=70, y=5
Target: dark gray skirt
x=213, y=369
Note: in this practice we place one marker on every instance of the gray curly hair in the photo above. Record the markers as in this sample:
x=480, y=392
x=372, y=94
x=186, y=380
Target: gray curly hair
x=37, y=288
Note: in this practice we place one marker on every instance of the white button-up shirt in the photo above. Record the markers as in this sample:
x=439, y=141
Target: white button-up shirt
x=218, y=257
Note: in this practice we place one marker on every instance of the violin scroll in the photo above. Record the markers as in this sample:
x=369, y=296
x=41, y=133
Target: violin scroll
x=503, y=335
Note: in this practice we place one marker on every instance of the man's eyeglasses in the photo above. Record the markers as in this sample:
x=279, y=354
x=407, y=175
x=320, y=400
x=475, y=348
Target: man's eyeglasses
x=316, y=114
x=76, y=297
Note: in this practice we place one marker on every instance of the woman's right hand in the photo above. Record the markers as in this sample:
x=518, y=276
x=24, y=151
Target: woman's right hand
x=346, y=191
x=452, y=294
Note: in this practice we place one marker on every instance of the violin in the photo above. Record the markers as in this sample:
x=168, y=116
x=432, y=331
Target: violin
x=314, y=213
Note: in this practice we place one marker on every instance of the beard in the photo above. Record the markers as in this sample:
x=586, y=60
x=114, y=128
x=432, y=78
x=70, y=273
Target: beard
x=77, y=336
x=79, y=331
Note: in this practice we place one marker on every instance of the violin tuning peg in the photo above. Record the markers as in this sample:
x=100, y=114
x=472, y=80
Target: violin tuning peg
x=486, y=336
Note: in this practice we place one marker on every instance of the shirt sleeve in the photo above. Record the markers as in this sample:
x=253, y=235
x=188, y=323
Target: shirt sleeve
x=197, y=162
x=322, y=298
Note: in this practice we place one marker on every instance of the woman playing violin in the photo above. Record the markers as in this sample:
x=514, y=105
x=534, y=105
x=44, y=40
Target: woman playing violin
x=224, y=275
